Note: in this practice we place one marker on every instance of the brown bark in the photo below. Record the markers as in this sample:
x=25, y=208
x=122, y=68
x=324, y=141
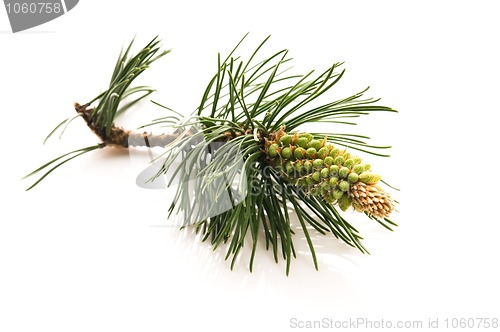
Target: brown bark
x=121, y=137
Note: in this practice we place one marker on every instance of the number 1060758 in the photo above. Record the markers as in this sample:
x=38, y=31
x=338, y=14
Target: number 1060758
x=470, y=323
x=34, y=8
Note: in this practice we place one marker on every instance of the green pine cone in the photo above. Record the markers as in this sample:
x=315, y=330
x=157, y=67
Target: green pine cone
x=321, y=169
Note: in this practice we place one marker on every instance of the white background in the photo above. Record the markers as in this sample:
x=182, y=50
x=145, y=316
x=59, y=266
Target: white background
x=88, y=250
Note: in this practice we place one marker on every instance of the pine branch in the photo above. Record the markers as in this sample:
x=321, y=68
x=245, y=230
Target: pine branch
x=240, y=161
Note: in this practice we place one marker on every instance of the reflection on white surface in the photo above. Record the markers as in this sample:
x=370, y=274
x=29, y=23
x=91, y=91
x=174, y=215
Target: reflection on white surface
x=203, y=189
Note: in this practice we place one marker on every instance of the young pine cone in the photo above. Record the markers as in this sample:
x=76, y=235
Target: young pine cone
x=321, y=169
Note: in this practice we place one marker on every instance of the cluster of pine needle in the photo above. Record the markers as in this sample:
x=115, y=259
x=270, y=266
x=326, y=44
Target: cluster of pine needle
x=240, y=162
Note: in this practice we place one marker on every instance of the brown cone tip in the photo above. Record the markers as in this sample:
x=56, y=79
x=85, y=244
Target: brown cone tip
x=371, y=199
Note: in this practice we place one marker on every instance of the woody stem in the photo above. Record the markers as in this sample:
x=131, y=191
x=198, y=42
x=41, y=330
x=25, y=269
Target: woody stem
x=121, y=137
